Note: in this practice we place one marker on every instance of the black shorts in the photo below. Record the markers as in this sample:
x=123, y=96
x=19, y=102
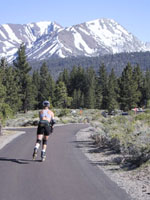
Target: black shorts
x=45, y=129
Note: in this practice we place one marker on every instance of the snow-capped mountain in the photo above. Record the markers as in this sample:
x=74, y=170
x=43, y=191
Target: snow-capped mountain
x=12, y=35
x=46, y=39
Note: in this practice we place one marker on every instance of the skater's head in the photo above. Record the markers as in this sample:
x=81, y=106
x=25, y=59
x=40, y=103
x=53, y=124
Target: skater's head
x=46, y=104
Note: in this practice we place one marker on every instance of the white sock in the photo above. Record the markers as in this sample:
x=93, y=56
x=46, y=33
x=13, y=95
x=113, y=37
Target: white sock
x=37, y=145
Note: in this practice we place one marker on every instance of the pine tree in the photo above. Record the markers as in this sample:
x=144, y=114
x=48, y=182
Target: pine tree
x=5, y=109
x=112, y=103
x=2, y=89
x=77, y=80
x=3, y=63
x=82, y=100
x=90, y=85
x=77, y=99
x=61, y=97
x=103, y=85
x=98, y=96
x=72, y=81
x=22, y=69
x=138, y=77
x=74, y=100
x=12, y=90
x=47, y=84
x=3, y=67
x=36, y=83
x=129, y=94
x=64, y=77
x=146, y=89
x=2, y=75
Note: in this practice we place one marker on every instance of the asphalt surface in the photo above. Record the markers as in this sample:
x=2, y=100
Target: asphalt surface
x=65, y=175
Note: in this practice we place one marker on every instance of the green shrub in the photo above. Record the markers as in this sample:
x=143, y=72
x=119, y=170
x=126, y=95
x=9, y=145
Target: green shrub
x=128, y=135
x=148, y=104
x=64, y=112
x=120, y=119
x=5, y=112
x=147, y=111
x=36, y=115
x=64, y=121
x=142, y=116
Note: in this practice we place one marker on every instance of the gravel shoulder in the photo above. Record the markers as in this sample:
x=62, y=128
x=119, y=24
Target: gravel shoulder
x=8, y=136
x=135, y=182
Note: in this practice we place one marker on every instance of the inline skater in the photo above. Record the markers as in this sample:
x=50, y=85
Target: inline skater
x=45, y=128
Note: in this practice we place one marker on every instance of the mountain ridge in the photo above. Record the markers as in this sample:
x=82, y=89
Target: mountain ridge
x=49, y=39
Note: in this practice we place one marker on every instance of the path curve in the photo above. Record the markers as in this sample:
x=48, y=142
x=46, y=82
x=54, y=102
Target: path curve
x=65, y=175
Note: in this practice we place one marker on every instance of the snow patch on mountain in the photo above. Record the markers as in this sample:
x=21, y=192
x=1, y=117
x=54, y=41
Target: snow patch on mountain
x=11, y=33
x=43, y=27
x=3, y=35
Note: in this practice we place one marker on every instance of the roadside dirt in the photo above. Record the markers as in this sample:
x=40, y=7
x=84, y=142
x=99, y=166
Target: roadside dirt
x=136, y=182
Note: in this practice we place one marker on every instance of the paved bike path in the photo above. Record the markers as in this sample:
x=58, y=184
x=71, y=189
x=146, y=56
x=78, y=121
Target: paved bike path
x=65, y=175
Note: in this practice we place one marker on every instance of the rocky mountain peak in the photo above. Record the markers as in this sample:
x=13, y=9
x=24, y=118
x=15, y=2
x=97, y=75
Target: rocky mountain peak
x=45, y=39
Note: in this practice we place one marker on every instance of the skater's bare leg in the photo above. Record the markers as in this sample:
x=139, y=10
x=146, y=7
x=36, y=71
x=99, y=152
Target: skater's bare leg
x=37, y=145
x=43, y=153
x=45, y=139
x=38, y=141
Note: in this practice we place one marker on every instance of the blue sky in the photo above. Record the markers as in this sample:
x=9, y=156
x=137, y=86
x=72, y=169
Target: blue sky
x=134, y=15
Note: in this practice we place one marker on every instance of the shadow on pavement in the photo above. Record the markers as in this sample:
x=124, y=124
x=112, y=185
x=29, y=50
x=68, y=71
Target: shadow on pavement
x=18, y=161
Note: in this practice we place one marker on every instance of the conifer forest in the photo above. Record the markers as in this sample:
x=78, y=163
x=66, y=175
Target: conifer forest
x=21, y=90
